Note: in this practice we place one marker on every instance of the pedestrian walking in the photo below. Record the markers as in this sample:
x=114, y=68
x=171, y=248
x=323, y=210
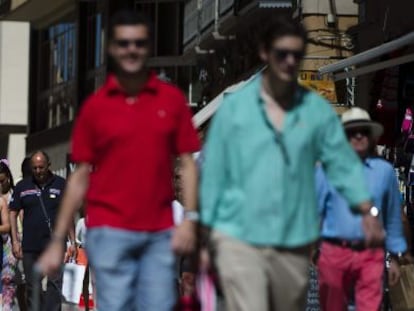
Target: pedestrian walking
x=8, y=262
x=125, y=141
x=257, y=181
x=345, y=262
x=26, y=171
x=39, y=196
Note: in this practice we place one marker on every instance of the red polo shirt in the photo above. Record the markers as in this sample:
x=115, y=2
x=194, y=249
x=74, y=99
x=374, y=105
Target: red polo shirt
x=132, y=143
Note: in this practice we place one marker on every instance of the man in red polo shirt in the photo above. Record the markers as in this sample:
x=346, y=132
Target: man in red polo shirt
x=125, y=140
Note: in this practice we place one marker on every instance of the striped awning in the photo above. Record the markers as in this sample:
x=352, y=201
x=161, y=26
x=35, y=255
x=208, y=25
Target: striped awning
x=275, y=4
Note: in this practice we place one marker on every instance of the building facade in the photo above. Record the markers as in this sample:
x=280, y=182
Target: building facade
x=14, y=91
x=203, y=46
x=67, y=41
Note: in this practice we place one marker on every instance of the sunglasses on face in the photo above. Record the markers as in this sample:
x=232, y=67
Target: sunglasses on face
x=282, y=54
x=355, y=132
x=138, y=43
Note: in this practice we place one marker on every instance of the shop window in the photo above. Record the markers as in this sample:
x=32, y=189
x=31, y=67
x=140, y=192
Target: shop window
x=56, y=71
x=5, y=6
x=58, y=55
x=94, y=29
x=57, y=106
x=95, y=41
x=164, y=16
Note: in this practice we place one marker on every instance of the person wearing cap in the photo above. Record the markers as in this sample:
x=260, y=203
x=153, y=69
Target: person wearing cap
x=344, y=259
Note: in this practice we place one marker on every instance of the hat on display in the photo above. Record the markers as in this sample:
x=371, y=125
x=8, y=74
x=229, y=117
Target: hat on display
x=357, y=118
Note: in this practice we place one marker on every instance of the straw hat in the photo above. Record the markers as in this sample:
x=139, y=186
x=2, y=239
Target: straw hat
x=357, y=117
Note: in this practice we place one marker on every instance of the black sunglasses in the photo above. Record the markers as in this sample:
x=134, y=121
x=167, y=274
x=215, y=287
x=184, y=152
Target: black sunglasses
x=139, y=43
x=282, y=54
x=354, y=132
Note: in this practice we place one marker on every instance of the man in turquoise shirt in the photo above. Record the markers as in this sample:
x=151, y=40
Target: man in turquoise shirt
x=257, y=184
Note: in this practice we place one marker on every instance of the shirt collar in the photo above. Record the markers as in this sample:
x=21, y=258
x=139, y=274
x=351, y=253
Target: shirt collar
x=368, y=162
x=113, y=87
x=49, y=181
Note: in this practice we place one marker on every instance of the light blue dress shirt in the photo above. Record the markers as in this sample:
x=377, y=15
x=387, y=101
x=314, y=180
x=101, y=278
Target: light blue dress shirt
x=338, y=221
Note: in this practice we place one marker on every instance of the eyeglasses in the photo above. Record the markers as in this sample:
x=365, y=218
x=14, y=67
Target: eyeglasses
x=139, y=43
x=282, y=54
x=355, y=132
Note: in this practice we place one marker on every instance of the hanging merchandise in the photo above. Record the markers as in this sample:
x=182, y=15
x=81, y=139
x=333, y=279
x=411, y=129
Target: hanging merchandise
x=411, y=173
x=407, y=122
x=409, y=143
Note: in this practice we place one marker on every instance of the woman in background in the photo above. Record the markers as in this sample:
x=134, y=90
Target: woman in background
x=9, y=265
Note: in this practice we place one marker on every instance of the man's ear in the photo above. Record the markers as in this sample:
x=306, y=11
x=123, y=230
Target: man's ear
x=263, y=54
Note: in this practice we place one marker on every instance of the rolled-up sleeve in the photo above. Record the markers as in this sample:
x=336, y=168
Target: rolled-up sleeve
x=213, y=169
x=341, y=164
x=395, y=241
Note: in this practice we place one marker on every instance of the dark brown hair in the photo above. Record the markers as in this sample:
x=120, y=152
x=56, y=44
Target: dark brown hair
x=4, y=169
x=129, y=18
x=281, y=26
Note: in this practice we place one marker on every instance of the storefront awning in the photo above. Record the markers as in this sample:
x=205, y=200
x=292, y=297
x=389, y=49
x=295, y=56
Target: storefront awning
x=370, y=55
x=272, y=4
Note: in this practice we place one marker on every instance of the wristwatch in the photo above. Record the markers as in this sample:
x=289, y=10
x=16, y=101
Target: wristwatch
x=191, y=215
x=373, y=211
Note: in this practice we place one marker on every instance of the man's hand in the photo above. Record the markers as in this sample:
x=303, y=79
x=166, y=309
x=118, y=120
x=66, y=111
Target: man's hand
x=394, y=273
x=71, y=253
x=184, y=238
x=407, y=259
x=374, y=233
x=17, y=250
x=52, y=258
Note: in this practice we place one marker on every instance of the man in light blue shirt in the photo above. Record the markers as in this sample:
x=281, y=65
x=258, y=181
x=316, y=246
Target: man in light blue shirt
x=344, y=260
x=257, y=182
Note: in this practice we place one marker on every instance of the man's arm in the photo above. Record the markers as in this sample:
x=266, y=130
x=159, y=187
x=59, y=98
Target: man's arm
x=77, y=185
x=15, y=209
x=395, y=241
x=189, y=182
x=343, y=168
x=72, y=249
x=5, y=221
x=184, y=238
x=17, y=248
x=213, y=167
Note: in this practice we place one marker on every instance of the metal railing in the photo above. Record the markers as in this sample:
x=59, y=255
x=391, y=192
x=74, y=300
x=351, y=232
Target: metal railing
x=199, y=14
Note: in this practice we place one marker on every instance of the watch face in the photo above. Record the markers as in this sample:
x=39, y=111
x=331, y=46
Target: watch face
x=374, y=211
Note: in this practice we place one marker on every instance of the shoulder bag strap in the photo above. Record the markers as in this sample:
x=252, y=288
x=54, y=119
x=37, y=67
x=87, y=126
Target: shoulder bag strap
x=42, y=204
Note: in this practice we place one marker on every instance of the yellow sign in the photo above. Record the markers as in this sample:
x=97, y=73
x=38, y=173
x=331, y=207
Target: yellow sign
x=321, y=84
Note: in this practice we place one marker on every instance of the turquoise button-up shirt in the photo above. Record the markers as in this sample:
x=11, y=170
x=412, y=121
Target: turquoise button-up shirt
x=257, y=183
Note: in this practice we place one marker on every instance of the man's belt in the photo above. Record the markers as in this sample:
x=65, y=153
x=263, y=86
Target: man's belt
x=354, y=245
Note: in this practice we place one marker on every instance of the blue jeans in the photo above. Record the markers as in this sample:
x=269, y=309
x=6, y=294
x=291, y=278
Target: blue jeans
x=135, y=271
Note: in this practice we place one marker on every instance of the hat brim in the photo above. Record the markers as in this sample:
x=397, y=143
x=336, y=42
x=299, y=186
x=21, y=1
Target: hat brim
x=376, y=129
